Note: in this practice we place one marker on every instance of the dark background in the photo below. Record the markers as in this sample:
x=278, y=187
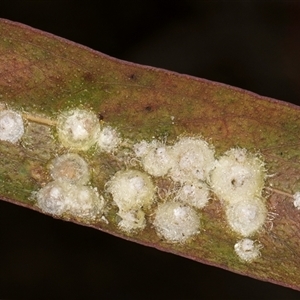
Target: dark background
x=254, y=45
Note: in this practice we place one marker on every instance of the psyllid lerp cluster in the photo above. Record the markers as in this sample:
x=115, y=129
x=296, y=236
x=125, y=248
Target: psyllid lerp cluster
x=133, y=198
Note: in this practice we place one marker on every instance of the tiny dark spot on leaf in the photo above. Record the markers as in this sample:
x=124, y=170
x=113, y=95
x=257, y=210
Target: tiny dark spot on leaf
x=100, y=117
x=148, y=108
x=132, y=76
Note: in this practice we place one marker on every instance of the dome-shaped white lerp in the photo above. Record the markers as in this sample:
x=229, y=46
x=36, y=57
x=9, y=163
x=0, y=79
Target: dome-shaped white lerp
x=11, y=126
x=86, y=203
x=296, y=198
x=246, y=216
x=70, y=167
x=60, y=197
x=176, y=222
x=155, y=157
x=195, y=194
x=108, y=139
x=193, y=160
x=131, y=190
x=238, y=175
x=132, y=220
x=78, y=129
x=54, y=197
x=247, y=249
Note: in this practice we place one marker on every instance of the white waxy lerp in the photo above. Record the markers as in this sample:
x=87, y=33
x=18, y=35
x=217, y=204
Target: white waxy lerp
x=132, y=220
x=156, y=157
x=61, y=197
x=195, y=194
x=54, y=197
x=246, y=216
x=70, y=167
x=296, y=198
x=131, y=190
x=247, y=250
x=108, y=139
x=86, y=203
x=238, y=175
x=11, y=126
x=78, y=129
x=194, y=159
x=176, y=222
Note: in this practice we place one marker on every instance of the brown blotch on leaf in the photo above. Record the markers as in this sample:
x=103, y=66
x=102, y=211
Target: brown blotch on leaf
x=39, y=174
x=132, y=77
x=88, y=77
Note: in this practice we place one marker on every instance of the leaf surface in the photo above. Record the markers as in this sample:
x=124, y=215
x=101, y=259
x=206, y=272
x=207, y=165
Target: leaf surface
x=42, y=75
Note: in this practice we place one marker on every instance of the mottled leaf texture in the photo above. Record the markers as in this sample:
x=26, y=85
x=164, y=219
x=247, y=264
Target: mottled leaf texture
x=42, y=75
